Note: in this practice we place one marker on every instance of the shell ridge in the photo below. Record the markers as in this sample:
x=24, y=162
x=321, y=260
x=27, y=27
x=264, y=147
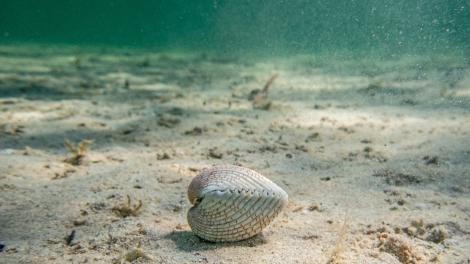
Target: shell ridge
x=245, y=213
x=214, y=205
x=246, y=200
x=251, y=211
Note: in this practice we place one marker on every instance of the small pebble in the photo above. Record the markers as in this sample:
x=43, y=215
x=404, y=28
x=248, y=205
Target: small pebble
x=163, y=156
x=215, y=153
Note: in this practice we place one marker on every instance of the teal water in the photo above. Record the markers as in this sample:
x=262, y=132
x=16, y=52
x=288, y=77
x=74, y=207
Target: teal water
x=267, y=26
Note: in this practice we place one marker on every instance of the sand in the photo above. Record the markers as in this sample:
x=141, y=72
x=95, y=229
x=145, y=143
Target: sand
x=374, y=154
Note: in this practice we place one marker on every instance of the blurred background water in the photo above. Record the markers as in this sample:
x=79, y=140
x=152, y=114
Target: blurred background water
x=271, y=27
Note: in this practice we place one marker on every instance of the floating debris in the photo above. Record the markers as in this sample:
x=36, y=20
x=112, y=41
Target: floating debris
x=69, y=238
x=260, y=97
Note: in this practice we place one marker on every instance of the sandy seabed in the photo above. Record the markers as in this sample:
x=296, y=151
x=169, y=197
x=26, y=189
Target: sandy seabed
x=374, y=154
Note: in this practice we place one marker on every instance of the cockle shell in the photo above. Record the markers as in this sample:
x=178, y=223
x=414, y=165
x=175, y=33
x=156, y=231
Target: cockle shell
x=232, y=203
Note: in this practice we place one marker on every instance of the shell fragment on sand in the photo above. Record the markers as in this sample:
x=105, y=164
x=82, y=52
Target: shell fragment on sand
x=232, y=203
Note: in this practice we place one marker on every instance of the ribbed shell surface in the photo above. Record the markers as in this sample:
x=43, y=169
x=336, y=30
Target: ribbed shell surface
x=232, y=203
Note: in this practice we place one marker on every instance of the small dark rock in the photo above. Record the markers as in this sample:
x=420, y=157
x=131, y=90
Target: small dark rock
x=168, y=122
x=316, y=106
x=346, y=129
x=268, y=148
x=367, y=149
x=144, y=63
x=97, y=206
x=194, y=132
x=301, y=148
x=163, y=156
x=176, y=111
x=312, y=137
x=438, y=235
x=177, y=208
x=434, y=160
x=409, y=102
x=253, y=94
x=310, y=237
x=315, y=207
x=215, y=153
x=69, y=238
x=79, y=222
x=127, y=131
x=401, y=202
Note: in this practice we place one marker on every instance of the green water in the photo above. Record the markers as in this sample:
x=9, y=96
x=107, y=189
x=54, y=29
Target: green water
x=265, y=26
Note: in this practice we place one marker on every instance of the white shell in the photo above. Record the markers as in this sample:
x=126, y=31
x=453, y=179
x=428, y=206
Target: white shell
x=232, y=203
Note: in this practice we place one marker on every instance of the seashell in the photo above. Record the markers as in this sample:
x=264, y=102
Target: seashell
x=232, y=203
